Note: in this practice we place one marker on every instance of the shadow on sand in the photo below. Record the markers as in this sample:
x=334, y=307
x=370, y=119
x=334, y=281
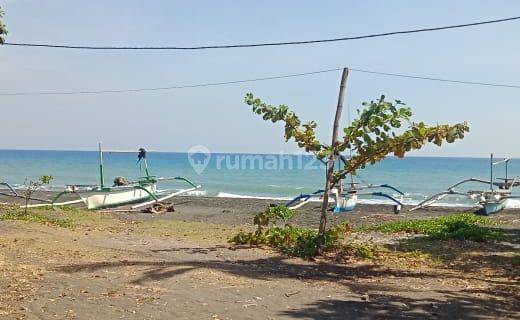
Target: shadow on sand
x=386, y=303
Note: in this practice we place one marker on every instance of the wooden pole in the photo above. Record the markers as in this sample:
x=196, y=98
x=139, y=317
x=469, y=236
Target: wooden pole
x=101, y=175
x=331, y=160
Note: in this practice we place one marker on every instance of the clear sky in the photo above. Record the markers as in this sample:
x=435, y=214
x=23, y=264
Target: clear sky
x=216, y=116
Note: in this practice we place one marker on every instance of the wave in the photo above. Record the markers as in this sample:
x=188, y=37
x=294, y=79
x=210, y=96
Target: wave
x=513, y=204
x=22, y=187
x=408, y=202
x=245, y=196
x=196, y=193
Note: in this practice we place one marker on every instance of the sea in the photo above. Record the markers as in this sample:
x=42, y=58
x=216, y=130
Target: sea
x=270, y=176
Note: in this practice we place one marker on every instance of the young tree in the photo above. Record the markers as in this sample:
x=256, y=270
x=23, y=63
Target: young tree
x=3, y=28
x=32, y=186
x=382, y=128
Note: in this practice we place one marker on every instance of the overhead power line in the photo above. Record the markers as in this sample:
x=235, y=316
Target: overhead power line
x=265, y=44
x=209, y=84
x=438, y=79
x=212, y=84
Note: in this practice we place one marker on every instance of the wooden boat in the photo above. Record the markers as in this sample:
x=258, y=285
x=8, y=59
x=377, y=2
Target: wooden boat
x=488, y=201
x=346, y=199
x=142, y=192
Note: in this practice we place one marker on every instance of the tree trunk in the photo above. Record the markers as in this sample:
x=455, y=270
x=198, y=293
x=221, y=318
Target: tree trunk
x=331, y=160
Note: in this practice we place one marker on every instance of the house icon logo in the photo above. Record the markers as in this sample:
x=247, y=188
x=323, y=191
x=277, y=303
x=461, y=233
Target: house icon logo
x=198, y=157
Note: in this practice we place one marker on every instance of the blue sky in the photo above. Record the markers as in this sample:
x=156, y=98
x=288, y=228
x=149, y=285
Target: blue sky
x=216, y=116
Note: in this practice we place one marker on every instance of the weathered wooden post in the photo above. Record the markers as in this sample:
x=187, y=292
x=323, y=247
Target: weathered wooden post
x=331, y=160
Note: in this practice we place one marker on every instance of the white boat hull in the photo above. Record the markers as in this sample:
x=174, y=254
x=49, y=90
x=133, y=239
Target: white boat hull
x=493, y=202
x=345, y=204
x=493, y=207
x=111, y=198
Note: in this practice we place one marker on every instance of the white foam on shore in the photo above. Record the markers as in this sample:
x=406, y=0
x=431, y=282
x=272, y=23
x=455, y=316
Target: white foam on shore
x=360, y=200
x=243, y=196
x=513, y=204
x=197, y=193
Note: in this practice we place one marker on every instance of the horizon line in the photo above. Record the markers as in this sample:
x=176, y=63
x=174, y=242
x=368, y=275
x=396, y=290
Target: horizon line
x=236, y=153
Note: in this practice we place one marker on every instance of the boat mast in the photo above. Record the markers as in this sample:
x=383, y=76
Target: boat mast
x=146, y=168
x=101, y=178
x=491, y=178
x=507, y=180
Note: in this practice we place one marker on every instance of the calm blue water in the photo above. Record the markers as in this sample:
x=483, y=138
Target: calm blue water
x=246, y=175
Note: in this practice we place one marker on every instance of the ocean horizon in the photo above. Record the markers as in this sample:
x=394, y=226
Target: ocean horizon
x=113, y=150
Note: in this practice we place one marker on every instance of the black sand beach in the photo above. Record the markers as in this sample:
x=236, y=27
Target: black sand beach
x=179, y=265
x=240, y=211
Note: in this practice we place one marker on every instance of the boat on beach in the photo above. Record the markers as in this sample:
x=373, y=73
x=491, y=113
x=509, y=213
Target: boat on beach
x=142, y=192
x=112, y=197
x=346, y=196
x=489, y=201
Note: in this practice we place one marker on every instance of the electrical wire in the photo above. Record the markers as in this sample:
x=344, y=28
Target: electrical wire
x=437, y=79
x=266, y=44
x=212, y=84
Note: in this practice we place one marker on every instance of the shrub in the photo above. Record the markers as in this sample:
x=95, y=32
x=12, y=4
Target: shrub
x=297, y=241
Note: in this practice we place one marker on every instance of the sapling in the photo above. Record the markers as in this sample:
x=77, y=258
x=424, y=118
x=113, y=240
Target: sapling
x=32, y=186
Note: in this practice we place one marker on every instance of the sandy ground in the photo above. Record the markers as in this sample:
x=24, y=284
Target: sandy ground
x=179, y=266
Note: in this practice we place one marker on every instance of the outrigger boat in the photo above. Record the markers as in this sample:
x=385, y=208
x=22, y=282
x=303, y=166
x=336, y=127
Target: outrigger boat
x=346, y=200
x=142, y=192
x=488, y=201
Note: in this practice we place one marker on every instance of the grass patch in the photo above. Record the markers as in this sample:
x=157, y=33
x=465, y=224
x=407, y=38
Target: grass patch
x=464, y=226
x=37, y=217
